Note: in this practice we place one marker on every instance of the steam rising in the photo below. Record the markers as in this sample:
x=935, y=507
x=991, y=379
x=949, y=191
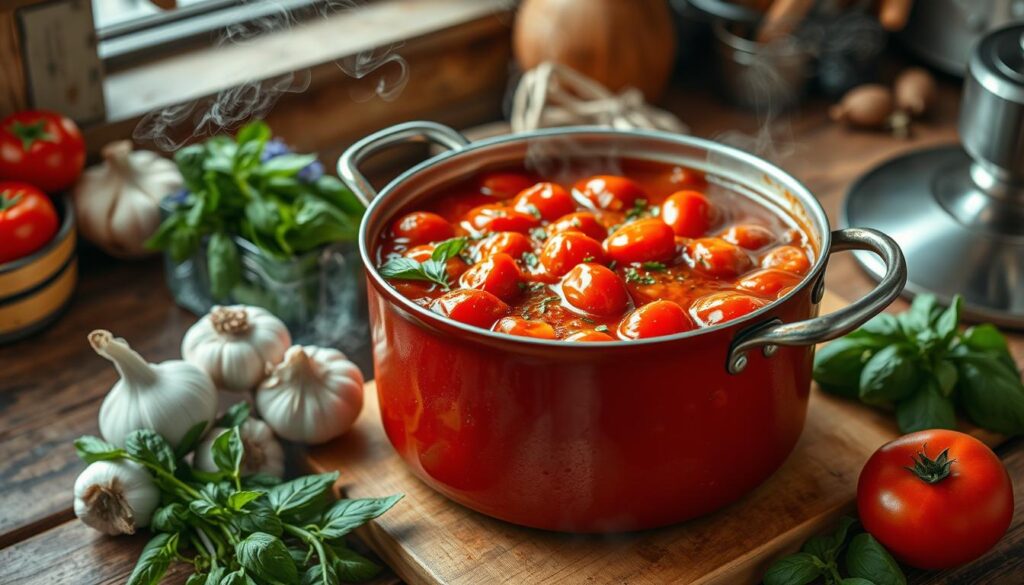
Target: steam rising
x=170, y=128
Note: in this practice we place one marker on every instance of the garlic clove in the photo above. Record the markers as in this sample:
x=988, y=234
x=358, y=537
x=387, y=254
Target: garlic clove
x=115, y=497
x=234, y=344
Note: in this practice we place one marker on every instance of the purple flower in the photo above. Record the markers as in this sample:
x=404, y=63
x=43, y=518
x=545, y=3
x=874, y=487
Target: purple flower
x=178, y=196
x=274, y=147
x=311, y=172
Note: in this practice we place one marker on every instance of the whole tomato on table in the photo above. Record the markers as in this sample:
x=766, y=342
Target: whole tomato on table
x=42, y=148
x=27, y=220
x=936, y=499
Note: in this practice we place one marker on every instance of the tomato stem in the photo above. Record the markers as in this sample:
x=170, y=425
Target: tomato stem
x=30, y=133
x=929, y=470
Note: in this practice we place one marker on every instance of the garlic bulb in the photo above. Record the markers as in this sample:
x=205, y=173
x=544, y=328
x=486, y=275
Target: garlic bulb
x=312, y=396
x=169, y=398
x=117, y=203
x=234, y=345
x=115, y=497
x=263, y=453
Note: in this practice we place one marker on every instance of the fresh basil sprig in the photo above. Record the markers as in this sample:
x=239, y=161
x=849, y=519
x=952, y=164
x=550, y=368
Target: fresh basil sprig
x=242, y=530
x=920, y=363
x=866, y=561
x=434, y=269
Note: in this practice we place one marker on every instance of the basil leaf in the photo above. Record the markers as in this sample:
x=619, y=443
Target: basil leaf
x=345, y=515
x=92, y=449
x=197, y=579
x=261, y=481
x=798, y=569
x=925, y=409
x=890, y=375
x=151, y=448
x=238, y=577
x=265, y=556
x=945, y=325
x=991, y=393
x=161, y=238
x=318, y=223
x=286, y=165
x=171, y=518
x=301, y=495
x=228, y=451
x=253, y=132
x=353, y=567
x=827, y=547
x=920, y=316
x=190, y=440
x=262, y=213
x=239, y=500
x=247, y=157
x=222, y=264
x=884, y=329
x=190, y=160
x=837, y=365
x=856, y=581
x=337, y=194
x=987, y=339
x=154, y=560
x=945, y=377
x=448, y=249
x=315, y=575
x=184, y=242
x=204, y=508
x=867, y=559
x=234, y=416
x=259, y=516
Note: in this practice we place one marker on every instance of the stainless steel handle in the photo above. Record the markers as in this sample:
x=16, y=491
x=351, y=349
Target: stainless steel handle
x=769, y=336
x=419, y=131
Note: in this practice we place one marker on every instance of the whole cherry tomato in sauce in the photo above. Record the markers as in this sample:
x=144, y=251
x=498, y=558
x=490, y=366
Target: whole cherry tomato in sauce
x=503, y=184
x=514, y=244
x=595, y=289
x=688, y=213
x=655, y=319
x=422, y=227
x=563, y=251
x=610, y=192
x=498, y=275
x=470, y=306
x=582, y=221
x=645, y=240
x=720, y=307
x=788, y=258
x=768, y=282
x=41, y=148
x=683, y=177
x=718, y=258
x=749, y=236
x=935, y=499
x=499, y=218
x=590, y=336
x=28, y=221
x=455, y=266
x=549, y=200
x=524, y=328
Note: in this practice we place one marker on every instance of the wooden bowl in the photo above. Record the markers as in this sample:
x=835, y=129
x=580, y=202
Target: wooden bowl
x=34, y=290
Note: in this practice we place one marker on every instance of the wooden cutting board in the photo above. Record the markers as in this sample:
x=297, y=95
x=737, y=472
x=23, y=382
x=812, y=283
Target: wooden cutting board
x=427, y=539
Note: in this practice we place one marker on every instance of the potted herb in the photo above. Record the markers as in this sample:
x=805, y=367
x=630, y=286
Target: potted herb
x=261, y=225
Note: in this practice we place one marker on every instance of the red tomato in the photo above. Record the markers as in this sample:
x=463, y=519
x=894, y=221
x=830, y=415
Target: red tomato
x=595, y=289
x=421, y=227
x=563, y=251
x=471, y=306
x=788, y=258
x=769, y=282
x=504, y=185
x=719, y=307
x=499, y=218
x=589, y=336
x=610, y=192
x=688, y=178
x=497, y=275
x=525, y=328
x=646, y=240
x=549, y=200
x=582, y=221
x=718, y=258
x=654, y=320
x=42, y=148
x=514, y=244
x=688, y=213
x=749, y=236
x=28, y=220
x=932, y=515
x=455, y=266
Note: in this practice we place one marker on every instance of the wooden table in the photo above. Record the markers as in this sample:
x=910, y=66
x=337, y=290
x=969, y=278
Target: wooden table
x=51, y=385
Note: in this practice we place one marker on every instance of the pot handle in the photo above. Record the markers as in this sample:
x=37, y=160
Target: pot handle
x=418, y=131
x=769, y=336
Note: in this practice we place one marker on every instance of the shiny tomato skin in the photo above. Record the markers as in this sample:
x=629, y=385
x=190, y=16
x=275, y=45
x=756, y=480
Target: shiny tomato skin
x=42, y=148
x=524, y=328
x=492, y=218
x=504, y=184
x=562, y=252
x=768, y=282
x=595, y=289
x=610, y=192
x=749, y=236
x=549, y=200
x=514, y=244
x=788, y=258
x=28, y=220
x=718, y=258
x=685, y=178
x=589, y=336
x=655, y=319
x=421, y=227
x=581, y=221
x=935, y=525
x=646, y=240
x=688, y=213
x=720, y=307
x=455, y=266
x=470, y=306
x=498, y=275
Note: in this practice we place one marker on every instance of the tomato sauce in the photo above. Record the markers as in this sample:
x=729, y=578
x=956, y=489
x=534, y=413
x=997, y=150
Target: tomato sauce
x=652, y=249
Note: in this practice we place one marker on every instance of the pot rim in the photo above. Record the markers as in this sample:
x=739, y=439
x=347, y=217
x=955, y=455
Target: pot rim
x=794, y=187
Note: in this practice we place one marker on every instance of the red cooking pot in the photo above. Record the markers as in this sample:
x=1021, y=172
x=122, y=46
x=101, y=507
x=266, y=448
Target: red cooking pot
x=609, y=436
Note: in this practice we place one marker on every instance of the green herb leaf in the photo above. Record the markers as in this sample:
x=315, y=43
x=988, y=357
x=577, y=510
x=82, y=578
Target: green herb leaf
x=922, y=313
x=827, y=547
x=654, y=266
x=154, y=560
x=320, y=575
x=890, y=375
x=633, y=276
x=433, y=270
x=345, y=515
x=884, y=329
x=946, y=323
x=149, y=447
x=239, y=577
x=798, y=569
x=448, y=249
x=353, y=567
x=945, y=377
x=925, y=409
x=265, y=556
x=867, y=559
x=172, y=518
x=856, y=581
x=286, y=165
x=190, y=440
x=991, y=392
x=259, y=516
x=184, y=242
x=223, y=265
x=190, y=161
x=240, y=499
x=92, y=449
x=987, y=339
x=837, y=365
x=237, y=414
x=228, y=450
x=253, y=132
x=301, y=495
